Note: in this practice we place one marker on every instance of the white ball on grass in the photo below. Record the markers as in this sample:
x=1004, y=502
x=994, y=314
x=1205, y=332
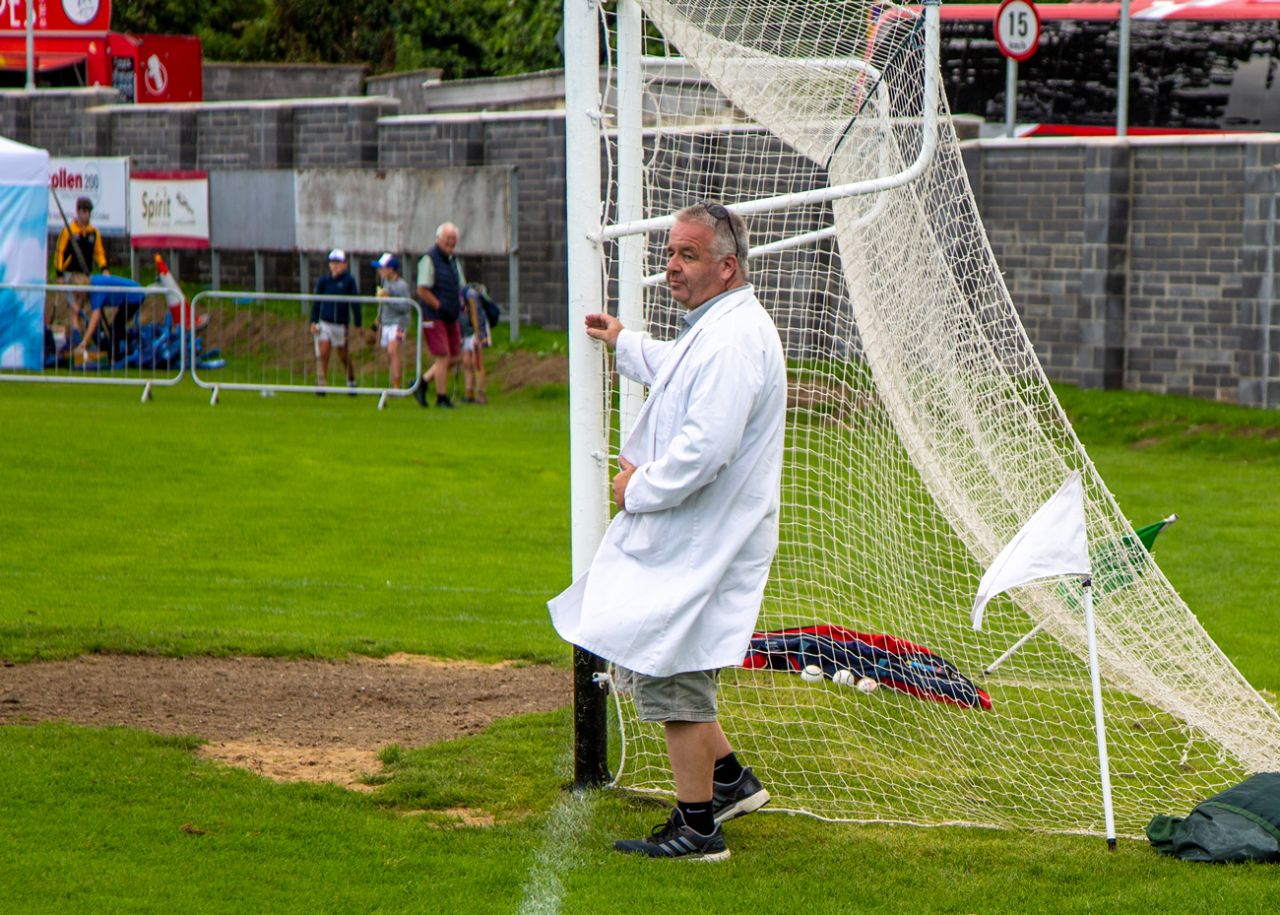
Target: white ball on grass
x=811, y=674
x=867, y=685
x=843, y=677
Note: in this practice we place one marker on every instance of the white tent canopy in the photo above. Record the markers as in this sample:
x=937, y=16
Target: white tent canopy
x=22, y=165
x=24, y=207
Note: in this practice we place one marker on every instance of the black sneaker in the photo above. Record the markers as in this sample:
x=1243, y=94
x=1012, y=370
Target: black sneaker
x=673, y=839
x=420, y=393
x=744, y=796
x=442, y=400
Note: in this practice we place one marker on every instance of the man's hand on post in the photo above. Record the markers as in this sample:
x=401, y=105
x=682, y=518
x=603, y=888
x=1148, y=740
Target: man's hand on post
x=604, y=328
x=625, y=470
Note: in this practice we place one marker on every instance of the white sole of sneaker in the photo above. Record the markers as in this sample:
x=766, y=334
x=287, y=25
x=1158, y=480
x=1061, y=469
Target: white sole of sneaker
x=711, y=856
x=743, y=807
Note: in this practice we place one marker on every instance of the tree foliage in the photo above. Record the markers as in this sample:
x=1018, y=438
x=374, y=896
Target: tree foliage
x=462, y=37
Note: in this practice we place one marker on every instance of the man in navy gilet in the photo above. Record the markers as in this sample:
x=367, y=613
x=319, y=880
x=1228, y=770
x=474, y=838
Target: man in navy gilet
x=440, y=283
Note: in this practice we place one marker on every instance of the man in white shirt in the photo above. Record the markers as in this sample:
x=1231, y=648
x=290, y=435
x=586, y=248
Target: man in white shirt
x=674, y=590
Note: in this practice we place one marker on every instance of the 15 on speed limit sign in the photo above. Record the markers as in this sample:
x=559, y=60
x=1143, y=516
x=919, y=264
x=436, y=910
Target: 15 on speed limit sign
x=1017, y=29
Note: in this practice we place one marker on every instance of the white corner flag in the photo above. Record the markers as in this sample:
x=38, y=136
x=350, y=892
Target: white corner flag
x=1052, y=543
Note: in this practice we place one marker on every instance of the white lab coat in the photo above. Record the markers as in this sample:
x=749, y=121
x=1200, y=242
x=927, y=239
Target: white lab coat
x=677, y=580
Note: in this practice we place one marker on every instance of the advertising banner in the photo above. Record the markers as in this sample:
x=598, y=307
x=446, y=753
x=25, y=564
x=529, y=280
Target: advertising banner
x=169, y=209
x=57, y=15
x=104, y=181
x=24, y=197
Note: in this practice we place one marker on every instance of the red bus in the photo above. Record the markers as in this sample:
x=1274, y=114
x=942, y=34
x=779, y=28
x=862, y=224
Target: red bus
x=1195, y=65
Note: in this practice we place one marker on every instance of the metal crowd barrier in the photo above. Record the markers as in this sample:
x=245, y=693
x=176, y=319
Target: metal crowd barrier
x=262, y=341
x=138, y=341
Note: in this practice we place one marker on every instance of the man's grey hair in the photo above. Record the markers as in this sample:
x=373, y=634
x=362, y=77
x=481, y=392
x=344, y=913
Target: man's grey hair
x=445, y=227
x=724, y=242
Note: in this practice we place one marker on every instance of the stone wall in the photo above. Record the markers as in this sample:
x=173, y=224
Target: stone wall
x=410, y=87
x=1145, y=264
x=534, y=144
x=226, y=82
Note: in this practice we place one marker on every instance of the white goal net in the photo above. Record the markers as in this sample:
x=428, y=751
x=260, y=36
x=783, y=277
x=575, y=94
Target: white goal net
x=922, y=433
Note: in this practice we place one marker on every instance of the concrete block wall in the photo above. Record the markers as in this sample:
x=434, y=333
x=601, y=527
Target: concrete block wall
x=56, y=119
x=1147, y=264
x=224, y=82
x=410, y=87
x=246, y=136
x=1032, y=206
x=339, y=133
x=1197, y=270
x=154, y=137
x=534, y=144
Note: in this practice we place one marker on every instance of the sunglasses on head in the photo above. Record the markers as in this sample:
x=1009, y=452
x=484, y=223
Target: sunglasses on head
x=718, y=211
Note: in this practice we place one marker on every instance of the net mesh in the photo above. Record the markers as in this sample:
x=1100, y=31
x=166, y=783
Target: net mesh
x=921, y=434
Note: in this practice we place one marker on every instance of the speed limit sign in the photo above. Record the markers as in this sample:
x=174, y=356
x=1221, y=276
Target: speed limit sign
x=1017, y=29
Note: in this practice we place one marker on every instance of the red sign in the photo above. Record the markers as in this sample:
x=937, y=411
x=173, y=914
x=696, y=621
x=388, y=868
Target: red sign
x=57, y=15
x=169, y=69
x=1017, y=28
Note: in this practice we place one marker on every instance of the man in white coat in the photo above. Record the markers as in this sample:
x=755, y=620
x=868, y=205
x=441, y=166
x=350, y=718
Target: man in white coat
x=674, y=590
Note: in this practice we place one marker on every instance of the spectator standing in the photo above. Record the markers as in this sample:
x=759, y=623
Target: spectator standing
x=395, y=314
x=475, y=337
x=331, y=320
x=78, y=251
x=440, y=283
x=674, y=590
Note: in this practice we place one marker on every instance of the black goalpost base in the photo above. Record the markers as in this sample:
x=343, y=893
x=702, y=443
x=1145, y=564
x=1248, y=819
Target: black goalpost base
x=590, y=723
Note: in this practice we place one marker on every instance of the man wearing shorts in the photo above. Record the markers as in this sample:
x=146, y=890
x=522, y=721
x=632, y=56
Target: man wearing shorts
x=330, y=320
x=674, y=590
x=440, y=285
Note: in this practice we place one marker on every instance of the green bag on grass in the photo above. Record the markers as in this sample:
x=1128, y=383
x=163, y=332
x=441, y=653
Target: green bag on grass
x=1240, y=824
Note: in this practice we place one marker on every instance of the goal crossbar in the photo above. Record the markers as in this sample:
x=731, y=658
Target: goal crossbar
x=928, y=146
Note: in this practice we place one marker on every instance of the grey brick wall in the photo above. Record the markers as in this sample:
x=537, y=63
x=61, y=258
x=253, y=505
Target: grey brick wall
x=155, y=137
x=342, y=134
x=1146, y=264
x=238, y=81
x=535, y=146
x=252, y=136
x=1032, y=204
x=55, y=119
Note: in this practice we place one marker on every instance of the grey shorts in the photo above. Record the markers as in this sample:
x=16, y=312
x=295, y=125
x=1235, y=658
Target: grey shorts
x=689, y=696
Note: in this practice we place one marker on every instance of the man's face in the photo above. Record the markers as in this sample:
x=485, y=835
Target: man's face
x=447, y=241
x=337, y=268
x=83, y=214
x=693, y=274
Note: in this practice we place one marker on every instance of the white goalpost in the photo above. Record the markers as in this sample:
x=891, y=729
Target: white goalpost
x=921, y=434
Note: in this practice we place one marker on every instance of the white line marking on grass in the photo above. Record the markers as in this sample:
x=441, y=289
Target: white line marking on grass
x=568, y=819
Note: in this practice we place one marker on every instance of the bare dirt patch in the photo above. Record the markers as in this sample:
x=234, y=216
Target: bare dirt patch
x=287, y=720
x=520, y=369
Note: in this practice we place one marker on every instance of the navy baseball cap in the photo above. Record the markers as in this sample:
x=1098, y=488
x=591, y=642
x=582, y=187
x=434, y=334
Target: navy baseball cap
x=388, y=260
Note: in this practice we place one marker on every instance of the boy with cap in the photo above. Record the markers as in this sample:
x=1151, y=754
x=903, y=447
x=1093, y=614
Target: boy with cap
x=330, y=319
x=395, y=314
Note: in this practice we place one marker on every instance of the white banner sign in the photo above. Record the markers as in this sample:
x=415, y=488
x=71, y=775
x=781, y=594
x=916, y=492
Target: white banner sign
x=104, y=181
x=169, y=209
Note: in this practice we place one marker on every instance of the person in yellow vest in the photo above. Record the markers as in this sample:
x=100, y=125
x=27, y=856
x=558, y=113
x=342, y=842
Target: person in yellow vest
x=79, y=250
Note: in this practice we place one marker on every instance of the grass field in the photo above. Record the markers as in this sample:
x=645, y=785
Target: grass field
x=304, y=527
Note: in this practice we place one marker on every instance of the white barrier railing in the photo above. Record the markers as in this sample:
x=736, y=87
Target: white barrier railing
x=136, y=338
x=264, y=342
